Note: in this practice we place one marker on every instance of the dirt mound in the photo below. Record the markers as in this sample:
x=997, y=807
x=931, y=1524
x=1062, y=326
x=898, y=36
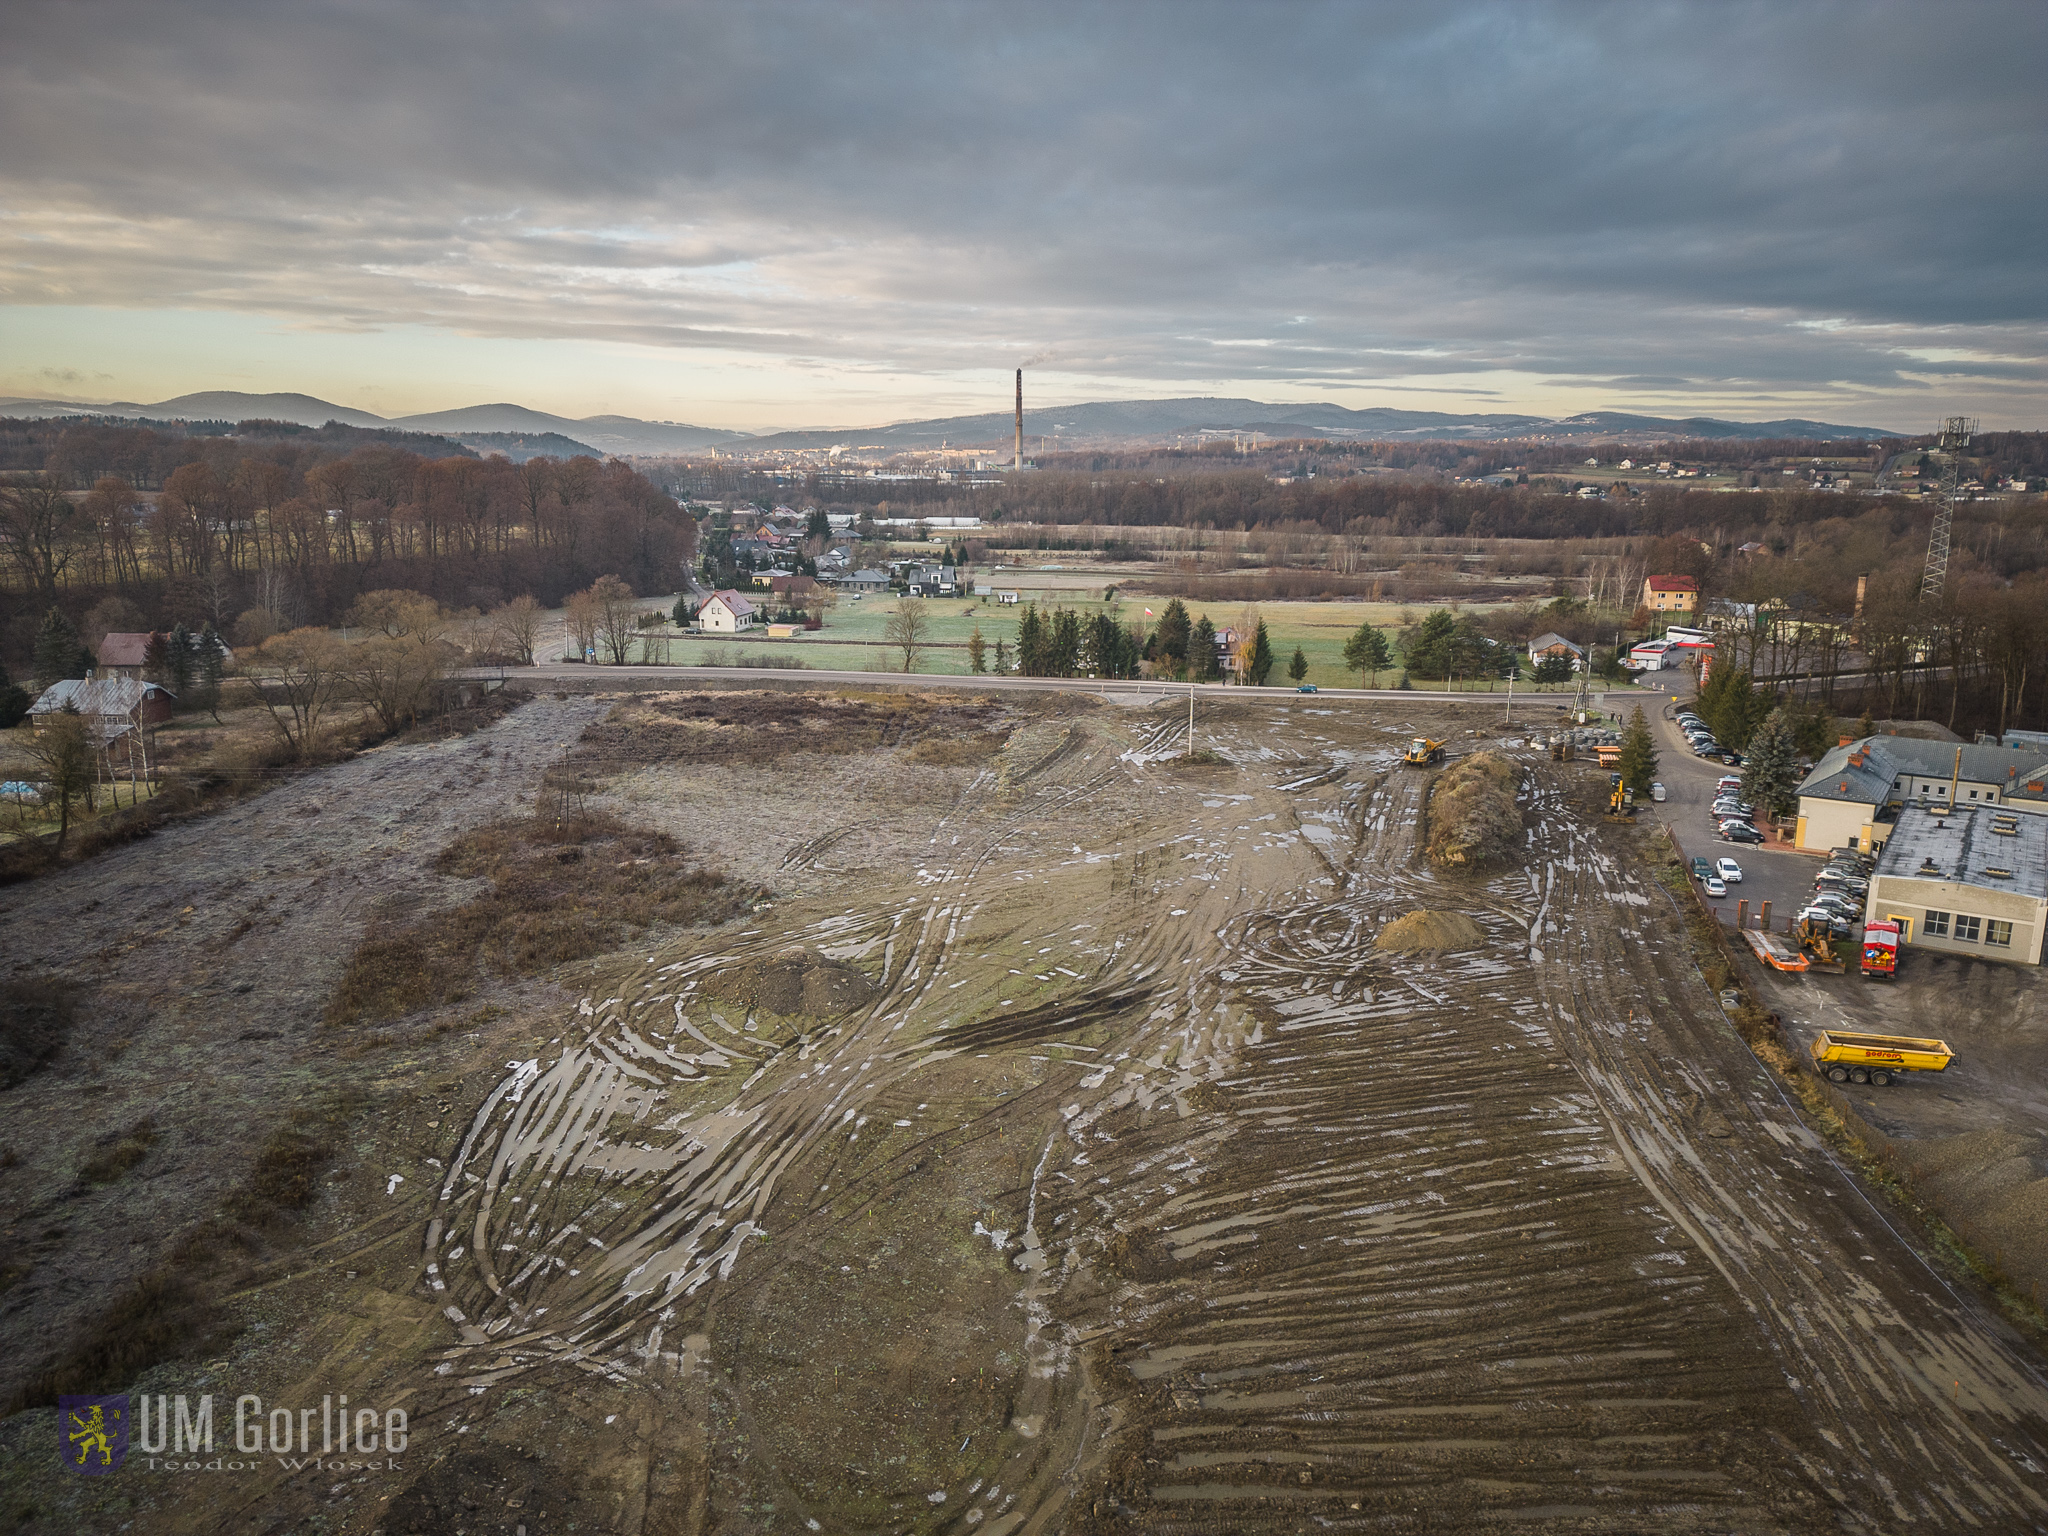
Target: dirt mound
x=802, y=983
x=1423, y=932
x=1473, y=818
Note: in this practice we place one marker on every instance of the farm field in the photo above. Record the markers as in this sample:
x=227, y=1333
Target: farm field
x=1046, y=1142
x=852, y=638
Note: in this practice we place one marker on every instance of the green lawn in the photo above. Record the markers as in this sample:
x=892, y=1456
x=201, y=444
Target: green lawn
x=852, y=637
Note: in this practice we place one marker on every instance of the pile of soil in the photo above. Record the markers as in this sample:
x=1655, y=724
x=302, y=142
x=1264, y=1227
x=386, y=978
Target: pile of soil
x=1473, y=818
x=1424, y=932
x=1989, y=1188
x=799, y=984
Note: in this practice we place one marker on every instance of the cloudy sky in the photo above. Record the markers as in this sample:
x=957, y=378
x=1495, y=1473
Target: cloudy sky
x=770, y=214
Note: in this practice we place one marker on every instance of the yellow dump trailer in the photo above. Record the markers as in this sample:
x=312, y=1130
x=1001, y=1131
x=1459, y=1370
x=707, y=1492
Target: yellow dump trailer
x=1846, y=1056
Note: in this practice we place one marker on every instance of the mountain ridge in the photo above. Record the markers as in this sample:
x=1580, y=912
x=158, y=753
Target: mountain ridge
x=1089, y=423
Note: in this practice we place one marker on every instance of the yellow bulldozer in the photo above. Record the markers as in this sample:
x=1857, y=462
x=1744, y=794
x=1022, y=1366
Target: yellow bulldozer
x=1423, y=751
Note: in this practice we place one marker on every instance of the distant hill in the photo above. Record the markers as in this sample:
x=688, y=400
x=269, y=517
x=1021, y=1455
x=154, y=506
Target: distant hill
x=1109, y=422
x=1100, y=423
x=521, y=446
x=601, y=435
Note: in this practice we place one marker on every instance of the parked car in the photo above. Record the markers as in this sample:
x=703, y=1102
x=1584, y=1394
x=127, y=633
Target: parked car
x=1723, y=755
x=1306, y=688
x=1701, y=868
x=1657, y=791
x=1715, y=887
x=1728, y=781
x=1740, y=832
x=1728, y=870
x=1843, y=909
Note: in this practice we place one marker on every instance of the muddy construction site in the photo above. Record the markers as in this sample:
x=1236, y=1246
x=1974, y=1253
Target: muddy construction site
x=1015, y=1126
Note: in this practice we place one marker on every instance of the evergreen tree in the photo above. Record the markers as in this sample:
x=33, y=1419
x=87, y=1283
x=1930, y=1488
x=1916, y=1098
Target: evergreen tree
x=179, y=659
x=1297, y=668
x=1554, y=669
x=1202, y=651
x=1173, y=637
x=1770, y=770
x=1430, y=648
x=1368, y=651
x=819, y=527
x=1731, y=705
x=1064, y=643
x=1002, y=656
x=1638, y=753
x=14, y=701
x=1867, y=726
x=1031, y=646
x=59, y=653
x=1261, y=666
x=209, y=667
x=977, y=652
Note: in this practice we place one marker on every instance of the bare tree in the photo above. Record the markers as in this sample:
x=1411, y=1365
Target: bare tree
x=42, y=531
x=63, y=750
x=909, y=630
x=612, y=601
x=519, y=625
x=583, y=622
x=394, y=677
x=302, y=674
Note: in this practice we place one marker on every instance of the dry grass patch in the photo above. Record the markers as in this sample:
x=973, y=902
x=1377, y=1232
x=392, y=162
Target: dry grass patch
x=727, y=728
x=561, y=889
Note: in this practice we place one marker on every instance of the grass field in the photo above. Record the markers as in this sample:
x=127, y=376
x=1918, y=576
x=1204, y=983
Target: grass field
x=852, y=636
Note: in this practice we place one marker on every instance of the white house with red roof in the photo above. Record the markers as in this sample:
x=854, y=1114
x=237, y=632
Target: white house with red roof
x=726, y=613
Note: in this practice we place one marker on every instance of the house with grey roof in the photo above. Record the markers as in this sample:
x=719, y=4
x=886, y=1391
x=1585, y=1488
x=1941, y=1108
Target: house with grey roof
x=1856, y=792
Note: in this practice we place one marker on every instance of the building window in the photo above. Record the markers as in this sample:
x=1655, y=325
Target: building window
x=1997, y=933
x=1936, y=926
x=1966, y=928
x=1942, y=790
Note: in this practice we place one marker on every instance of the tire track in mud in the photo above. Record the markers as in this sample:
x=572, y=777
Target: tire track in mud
x=1406, y=1282
x=591, y=1110
x=1931, y=1413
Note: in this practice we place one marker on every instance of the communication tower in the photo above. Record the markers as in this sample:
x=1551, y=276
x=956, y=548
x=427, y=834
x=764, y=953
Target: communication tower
x=1956, y=432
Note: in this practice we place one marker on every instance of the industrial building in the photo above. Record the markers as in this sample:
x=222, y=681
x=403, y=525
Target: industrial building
x=1966, y=882
x=1857, y=790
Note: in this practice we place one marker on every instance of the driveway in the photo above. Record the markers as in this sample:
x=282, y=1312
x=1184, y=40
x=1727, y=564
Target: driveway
x=1770, y=872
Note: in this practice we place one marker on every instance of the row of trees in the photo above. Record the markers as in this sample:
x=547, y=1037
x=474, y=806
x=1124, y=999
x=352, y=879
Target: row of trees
x=305, y=535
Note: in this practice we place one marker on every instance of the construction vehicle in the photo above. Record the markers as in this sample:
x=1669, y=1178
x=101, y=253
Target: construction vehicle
x=1881, y=950
x=1621, y=800
x=1818, y=945
x=1845, y=1056
x=1423, y=751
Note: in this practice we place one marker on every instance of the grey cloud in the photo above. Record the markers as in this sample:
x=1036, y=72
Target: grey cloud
x=1648, y=196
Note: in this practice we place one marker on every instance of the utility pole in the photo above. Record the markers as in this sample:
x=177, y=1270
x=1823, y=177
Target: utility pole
x=1191, y=721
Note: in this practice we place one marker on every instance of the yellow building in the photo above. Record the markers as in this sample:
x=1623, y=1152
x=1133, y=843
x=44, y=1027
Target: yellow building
x=1671, y=594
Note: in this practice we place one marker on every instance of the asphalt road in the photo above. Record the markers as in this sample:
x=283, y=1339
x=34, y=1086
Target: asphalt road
x=1530, y=709
x=1774, y=872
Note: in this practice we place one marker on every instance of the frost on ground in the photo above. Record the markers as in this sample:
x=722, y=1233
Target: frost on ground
x=1063, y=1146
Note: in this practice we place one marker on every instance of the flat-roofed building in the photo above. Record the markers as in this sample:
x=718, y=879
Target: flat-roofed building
x=1966, y=882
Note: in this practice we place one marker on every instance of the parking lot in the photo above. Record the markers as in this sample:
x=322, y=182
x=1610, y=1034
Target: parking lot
x=1773, y=872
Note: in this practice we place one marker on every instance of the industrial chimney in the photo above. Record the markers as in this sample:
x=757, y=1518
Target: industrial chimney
x=1020, y=418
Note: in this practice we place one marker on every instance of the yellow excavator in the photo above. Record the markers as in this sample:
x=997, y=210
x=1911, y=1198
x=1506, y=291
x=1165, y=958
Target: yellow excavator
x=1621, y=800
x=1423, y=751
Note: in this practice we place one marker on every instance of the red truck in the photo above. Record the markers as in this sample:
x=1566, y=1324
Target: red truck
x=1881, y=950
